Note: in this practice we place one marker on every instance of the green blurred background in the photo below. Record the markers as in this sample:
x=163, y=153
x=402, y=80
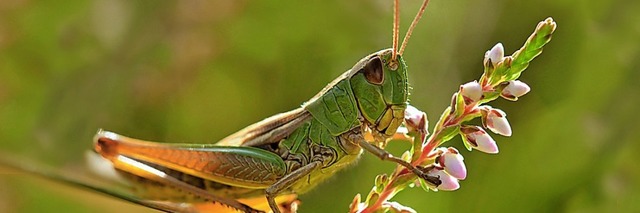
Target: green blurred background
x=200, y=70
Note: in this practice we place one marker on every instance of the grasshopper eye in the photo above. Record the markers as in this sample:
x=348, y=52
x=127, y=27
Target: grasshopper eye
x=373, y=71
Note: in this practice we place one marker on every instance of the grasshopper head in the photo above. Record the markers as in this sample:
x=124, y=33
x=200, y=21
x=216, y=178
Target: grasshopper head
x=381, y=90
x=380, y=83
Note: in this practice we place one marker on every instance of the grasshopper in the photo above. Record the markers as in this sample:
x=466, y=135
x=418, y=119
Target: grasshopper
x=283, y=155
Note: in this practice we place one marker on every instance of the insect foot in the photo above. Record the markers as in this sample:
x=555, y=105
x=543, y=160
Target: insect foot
x=430, y=176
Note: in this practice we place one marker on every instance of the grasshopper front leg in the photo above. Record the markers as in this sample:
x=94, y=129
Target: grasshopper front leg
x=386, y=156
x=416, y=121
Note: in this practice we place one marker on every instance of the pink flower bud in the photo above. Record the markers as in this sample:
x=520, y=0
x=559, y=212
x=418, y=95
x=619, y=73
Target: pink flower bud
x=453, y=163
x=496, y=121
x=449, y=183
x=479, y=139
x=471, y=91
x=496, y=54
x=515, y=89
x=415, y=119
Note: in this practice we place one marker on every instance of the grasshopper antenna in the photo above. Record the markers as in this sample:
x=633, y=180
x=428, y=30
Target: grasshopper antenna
x=413, y=25
x=396, y=29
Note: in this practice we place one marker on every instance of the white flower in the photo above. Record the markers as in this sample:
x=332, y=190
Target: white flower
x=415, y=119
x=479, y=139
x=449, y=183
x=453, y=163
x=397, y=207
x=472, y=91
x=496, y=54
x=496, y=121
x=515, y=89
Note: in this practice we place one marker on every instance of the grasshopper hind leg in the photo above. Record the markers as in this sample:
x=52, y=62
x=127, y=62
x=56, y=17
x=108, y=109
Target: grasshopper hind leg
x=148, y=172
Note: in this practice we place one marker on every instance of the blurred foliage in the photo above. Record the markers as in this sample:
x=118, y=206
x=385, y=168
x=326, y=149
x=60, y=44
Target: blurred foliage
x=200, y=70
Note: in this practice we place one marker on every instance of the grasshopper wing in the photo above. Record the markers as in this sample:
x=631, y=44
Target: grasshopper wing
x=269, y=130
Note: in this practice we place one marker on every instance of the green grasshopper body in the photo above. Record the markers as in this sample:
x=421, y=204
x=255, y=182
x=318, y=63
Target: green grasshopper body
x=287, y=153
